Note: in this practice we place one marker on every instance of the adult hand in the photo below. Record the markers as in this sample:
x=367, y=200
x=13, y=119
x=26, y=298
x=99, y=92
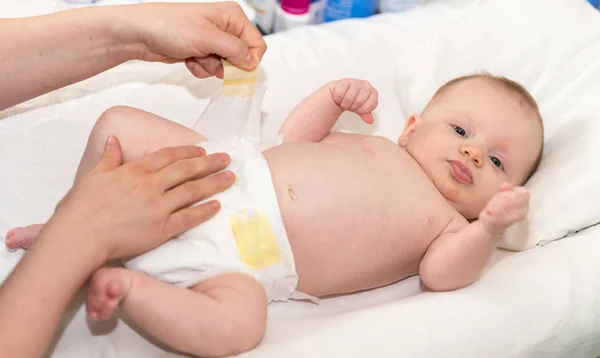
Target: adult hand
x=113, y=211
x=199, y=34
x=129, y=209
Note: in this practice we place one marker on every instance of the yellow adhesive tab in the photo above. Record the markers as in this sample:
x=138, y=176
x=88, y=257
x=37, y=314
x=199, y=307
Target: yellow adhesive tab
x=238, y=91
x=255, y=239
x=237, y=82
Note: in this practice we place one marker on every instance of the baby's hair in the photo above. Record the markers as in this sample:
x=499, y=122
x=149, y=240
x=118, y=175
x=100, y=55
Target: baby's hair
x=526, y=100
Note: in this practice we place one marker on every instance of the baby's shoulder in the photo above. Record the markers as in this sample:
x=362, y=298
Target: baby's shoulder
x=379, y=140
x=382, y=145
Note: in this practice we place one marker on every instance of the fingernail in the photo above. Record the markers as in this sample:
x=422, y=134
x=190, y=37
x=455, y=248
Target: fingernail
x=111, y=142
x=249, y=60
x=201, y=149
x=223, y=157
x=229, y=176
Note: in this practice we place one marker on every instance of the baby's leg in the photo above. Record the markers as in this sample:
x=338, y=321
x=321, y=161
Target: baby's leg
x=139, y=132
x=222, y=316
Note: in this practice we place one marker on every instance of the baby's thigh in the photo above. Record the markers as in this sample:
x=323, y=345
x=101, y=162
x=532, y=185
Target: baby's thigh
x=141, y=132
x=244, y=300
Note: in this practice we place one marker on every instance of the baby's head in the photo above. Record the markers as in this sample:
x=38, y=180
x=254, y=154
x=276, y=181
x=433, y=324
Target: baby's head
x=477, y=132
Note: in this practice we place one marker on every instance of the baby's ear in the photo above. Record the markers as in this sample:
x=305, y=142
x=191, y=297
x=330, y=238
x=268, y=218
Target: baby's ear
x=411, y=125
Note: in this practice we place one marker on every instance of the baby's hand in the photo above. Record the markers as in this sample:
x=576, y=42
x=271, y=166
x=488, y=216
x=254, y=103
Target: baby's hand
x=357, y=96
x=507, y=207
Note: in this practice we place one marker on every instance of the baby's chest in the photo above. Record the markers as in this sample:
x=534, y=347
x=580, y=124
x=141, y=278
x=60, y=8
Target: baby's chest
x=415, y=209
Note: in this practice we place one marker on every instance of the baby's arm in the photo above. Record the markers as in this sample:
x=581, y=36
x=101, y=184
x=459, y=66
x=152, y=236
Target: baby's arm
x=312, y=119
x=459, y=255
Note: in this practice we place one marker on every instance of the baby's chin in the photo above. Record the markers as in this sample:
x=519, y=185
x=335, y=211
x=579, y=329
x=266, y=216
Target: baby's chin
x=455, y=196
x=469, y=213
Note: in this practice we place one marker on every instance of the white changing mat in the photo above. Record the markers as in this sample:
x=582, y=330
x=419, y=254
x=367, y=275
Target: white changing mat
x=539, y=303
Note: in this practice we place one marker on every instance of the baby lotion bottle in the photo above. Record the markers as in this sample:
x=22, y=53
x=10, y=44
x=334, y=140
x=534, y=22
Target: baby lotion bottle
x=344, y=9
x=291, y=14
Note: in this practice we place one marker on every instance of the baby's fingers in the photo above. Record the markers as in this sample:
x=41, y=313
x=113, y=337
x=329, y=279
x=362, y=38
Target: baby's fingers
x=361, y=98
x=500, y=205
x=367, y=118
x=370, y=103
x=522, y=194
x=505, y=187
x=350, y=96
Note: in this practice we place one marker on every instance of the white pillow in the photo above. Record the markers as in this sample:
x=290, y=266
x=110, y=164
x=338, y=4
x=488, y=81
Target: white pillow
x=559, y=64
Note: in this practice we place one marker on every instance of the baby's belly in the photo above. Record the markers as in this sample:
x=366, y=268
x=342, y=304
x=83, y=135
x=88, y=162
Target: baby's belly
x=355, y=221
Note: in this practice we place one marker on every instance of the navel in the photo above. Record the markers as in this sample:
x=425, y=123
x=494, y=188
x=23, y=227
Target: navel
x=292, y=195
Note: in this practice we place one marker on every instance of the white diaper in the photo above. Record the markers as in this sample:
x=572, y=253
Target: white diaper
x=247, y=235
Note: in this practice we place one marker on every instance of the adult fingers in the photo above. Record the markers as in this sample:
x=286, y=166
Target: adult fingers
x=203, y=67
x=189, y=169
x=230, y=47
x=187, y=218
x=193, y=191
x=232, y=19
x=112, y=156
x=196, y=69
x=155, y=161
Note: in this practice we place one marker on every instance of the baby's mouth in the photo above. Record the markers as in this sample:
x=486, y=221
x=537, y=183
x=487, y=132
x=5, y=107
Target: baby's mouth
x=460, y=172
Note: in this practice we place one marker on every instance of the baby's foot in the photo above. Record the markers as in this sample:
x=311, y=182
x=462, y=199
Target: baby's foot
x=107, y=288
x=22, y=237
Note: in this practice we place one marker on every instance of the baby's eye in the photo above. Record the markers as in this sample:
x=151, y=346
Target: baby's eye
x=461, y=132
x=497, y=162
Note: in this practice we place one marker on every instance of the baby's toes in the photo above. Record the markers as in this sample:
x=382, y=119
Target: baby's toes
x=13, y=239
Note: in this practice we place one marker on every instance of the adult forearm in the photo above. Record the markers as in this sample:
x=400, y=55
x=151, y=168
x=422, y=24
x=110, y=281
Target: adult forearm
x=40, y=289
x=44, y=53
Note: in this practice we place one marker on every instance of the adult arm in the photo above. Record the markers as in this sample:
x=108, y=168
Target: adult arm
x=41, y=54
x=135, y=207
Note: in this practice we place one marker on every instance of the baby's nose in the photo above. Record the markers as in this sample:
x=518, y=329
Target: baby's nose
x=473, y=153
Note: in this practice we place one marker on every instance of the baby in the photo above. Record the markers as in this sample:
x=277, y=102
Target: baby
x=325, y=213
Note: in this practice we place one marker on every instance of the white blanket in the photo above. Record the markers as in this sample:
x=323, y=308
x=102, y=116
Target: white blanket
x=539, y=303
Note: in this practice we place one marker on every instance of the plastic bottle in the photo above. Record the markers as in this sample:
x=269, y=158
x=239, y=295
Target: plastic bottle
x=292, y=14
x=265, y=14
x=343, y=9
x=316, y=11
x=398, y=5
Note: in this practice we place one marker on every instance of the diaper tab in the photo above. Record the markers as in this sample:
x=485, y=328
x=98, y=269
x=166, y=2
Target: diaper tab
x=234, y=111
x=237, y=82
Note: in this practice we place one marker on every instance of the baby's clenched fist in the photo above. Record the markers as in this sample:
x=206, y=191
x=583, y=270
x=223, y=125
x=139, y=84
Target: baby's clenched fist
x=507, y=207
x=355, y=95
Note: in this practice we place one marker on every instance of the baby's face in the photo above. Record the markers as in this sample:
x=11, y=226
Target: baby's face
x=474, y=137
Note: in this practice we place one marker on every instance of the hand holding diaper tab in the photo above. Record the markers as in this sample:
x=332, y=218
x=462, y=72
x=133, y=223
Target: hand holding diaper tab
x=56, y=50
x=200, y=35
